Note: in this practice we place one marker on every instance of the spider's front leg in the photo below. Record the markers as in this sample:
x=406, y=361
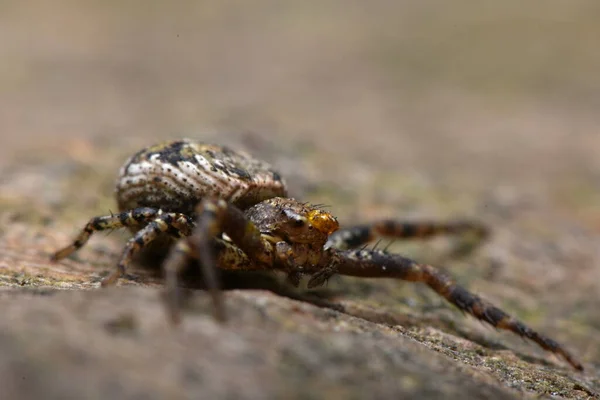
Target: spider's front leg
x=349, y=238
x=227, y=256
x=249, y=251
x=378, y=264
x=157, y=222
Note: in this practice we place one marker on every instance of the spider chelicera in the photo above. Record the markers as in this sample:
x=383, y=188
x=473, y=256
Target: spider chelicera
x=230, y=211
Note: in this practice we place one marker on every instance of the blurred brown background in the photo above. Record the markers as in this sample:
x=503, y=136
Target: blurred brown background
x=380, y=109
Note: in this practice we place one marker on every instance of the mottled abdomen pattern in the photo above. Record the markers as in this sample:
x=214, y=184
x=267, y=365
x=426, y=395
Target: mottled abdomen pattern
x=175, y=176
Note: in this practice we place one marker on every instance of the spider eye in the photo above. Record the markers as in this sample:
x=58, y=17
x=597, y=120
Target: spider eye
x=295, y=220
x=299, y=222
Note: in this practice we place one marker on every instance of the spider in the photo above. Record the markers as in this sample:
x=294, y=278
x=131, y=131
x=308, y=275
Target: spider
x=230, y=211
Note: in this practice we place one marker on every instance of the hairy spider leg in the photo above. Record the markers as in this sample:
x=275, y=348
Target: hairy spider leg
x=174, y=224
x=378, y=264
x=216, y=216
x=352, y=237
x=227, y=256
x=131, y=218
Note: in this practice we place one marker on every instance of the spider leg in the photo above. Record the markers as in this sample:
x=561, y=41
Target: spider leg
x=377, y=264
x=216, y=216
x=173, y=224
x=356, y=236
x=227, y=256
x=131, y=218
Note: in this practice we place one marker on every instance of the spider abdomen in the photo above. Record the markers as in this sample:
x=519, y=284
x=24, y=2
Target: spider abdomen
x=176, y=175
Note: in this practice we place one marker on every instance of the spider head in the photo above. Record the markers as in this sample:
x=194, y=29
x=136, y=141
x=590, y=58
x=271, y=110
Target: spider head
x=292, y=221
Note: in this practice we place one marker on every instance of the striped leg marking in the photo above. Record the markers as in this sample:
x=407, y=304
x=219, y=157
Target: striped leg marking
x=378, y=264
x=173, y=224
x=132, y=218
x=349, y=238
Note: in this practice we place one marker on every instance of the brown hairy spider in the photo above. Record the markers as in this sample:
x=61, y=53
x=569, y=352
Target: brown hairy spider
x=231, y=211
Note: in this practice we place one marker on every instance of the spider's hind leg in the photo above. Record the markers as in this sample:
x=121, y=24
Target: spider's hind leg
x=131, y=218
x=157, y=222
x=173, y=224
x=353, y=237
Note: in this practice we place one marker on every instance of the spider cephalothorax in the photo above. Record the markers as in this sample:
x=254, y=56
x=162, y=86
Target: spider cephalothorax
x=298, y=231
x=291, y=221
x=230, y=211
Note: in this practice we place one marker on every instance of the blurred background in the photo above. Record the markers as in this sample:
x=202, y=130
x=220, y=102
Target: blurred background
x=489, y=82
x=433, y=109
